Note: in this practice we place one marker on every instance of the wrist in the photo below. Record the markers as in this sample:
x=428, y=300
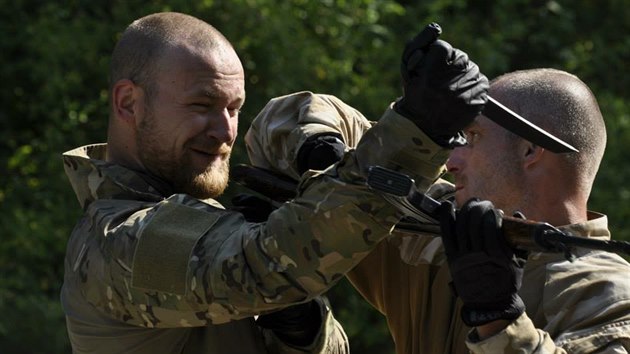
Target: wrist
x=444, y=139
x=489, y=329
x=473, y=316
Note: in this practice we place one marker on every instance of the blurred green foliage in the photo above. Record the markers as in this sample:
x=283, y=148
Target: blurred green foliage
x=53, y=97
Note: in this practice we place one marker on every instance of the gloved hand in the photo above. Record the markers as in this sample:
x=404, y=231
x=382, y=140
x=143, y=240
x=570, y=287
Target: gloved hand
x=254, y=208
x=296, y=325
x=486, y=272
x=443, y=90
x=320, y=151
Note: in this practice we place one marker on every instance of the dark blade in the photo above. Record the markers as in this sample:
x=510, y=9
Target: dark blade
x=520, y=126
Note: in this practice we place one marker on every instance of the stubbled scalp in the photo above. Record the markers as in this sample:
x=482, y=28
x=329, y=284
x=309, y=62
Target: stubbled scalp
x=563, y=105
x=145, y=41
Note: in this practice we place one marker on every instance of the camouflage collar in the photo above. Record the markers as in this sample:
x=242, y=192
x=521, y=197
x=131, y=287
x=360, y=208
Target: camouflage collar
x=93, y=178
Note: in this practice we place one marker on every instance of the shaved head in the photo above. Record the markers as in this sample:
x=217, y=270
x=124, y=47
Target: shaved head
x=145, y=42
x=563, y=105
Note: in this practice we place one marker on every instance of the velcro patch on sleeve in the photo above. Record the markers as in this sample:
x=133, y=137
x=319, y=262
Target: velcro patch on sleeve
x=165, y=246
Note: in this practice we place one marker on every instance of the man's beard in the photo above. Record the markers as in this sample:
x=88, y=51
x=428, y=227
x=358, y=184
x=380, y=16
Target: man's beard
x=179, y=172
x=209, y=184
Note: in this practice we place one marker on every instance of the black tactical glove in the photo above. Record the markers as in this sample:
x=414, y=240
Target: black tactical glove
x=320, y=151
x=443, y=90
x=254, y=208
x=296, y=325
x=486, y=272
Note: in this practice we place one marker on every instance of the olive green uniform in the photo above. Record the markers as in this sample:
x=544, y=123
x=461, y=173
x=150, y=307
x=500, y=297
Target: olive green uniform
x=578, y=307
x=150, y=271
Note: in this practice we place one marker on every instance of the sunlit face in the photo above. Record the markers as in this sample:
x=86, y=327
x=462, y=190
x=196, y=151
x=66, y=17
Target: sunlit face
x=488, y=167
x=187, y=132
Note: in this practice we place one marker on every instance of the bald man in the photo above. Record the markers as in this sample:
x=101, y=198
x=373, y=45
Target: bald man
x=561, y=307
x=581, y=306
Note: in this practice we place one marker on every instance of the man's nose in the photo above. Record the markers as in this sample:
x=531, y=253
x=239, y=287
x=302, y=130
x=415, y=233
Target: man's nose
x=455, y=161
x=222, y=126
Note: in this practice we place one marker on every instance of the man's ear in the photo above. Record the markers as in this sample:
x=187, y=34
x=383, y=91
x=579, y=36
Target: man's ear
x=531, y=153
x=127, y=101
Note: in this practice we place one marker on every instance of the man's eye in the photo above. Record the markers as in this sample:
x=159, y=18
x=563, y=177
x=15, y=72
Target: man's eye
x=200, y=106
x=234, y=111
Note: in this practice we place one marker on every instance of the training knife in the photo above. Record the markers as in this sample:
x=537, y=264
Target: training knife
x=520, y=126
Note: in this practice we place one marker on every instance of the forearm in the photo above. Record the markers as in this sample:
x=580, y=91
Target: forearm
x=321, y=234
x=398, y=144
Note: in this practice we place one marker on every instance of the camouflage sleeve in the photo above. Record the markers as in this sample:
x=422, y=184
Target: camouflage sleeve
x=279, y=130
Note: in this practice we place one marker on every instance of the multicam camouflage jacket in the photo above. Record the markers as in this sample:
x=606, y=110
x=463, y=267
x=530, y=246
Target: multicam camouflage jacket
x=139, y=278
x=575, y=307
x=150, y=271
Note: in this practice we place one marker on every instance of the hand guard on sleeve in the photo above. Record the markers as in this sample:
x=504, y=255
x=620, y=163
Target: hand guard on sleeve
x=486, y=272
x=443, y=90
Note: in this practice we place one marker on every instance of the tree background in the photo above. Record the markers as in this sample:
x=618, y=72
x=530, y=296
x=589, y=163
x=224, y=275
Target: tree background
x=53, y=97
